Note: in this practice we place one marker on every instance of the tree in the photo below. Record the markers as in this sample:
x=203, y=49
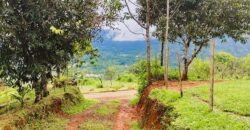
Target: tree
x=211, y=98
x=145, y=25
x=110, y=74
x=196, y=22
x=38, y=37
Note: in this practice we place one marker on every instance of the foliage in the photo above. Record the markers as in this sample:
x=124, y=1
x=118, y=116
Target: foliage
x=127, y=77
x=227, y=66
x=110, y=73
x=20, y=97
x=43, y=36
x=157, y=69
x=199, y=70
x=40, y=114
x=192, y=25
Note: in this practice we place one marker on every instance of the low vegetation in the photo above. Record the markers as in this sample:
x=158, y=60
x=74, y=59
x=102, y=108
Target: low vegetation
x=231, y=111
x=43, y=114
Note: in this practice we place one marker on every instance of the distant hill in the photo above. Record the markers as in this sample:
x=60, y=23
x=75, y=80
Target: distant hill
x=126, y=53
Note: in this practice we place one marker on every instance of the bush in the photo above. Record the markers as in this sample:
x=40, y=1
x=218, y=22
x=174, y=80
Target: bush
x=126, y=77
x=173, y=74
x=199, y=70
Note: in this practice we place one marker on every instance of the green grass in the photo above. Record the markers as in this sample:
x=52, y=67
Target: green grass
x=109, y=108
x=134, y=101
x=135, y=126
x=52, y=122
x=80, y=107
x=95, y=125
x=194, y=114
x=229, y=96
x=37, y=115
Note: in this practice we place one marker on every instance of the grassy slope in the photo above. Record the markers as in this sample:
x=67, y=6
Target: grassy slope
x=51, y=122
x=230, y=96
x=194, y=114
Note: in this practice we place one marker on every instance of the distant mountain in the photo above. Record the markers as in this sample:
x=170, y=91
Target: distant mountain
x=126, y=53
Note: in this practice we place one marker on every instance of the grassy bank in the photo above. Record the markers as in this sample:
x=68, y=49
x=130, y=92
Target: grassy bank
x=230, y=113
x=43, y=115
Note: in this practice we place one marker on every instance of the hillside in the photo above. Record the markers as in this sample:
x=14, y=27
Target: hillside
x=126, y=53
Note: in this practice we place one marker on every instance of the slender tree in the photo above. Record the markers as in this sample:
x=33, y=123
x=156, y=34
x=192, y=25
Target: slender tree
x=212, y=46
x=196, y=22
x=179, y=70
x=145, y=25
x=166, y=47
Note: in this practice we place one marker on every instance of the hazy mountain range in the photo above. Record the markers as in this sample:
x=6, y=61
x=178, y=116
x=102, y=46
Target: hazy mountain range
x=125, y=53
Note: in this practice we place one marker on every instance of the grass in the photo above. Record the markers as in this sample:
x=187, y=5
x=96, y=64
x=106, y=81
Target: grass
x=195, y=114
x=134, y=101
x=39, y=116
x=135, y=126
x=102, y=118
x=96, y=125
x=109, y=108
x=229, y=96
x=79, y=107
x=52, y=122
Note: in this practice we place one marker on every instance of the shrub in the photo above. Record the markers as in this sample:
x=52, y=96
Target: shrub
x=199, y=70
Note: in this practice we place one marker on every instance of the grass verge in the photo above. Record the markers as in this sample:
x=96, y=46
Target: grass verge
x=194, y=114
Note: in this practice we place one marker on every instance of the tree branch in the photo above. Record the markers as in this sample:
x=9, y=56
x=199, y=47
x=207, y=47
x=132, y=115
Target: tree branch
x=133, y=3
x=196, y=52
x=137, y=33
x=132, y=16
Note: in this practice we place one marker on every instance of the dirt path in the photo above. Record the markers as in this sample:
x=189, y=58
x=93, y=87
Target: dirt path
x=126, y=115
x=76, y=120
x=112, y=95
x=123, y=117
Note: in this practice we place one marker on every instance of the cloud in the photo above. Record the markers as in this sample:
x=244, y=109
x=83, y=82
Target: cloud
x=125, y=34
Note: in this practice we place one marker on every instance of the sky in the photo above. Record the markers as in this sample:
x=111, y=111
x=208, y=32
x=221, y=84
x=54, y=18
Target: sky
x=122, y=33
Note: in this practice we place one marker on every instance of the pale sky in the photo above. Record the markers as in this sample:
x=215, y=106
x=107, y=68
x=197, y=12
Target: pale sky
x=123, y=34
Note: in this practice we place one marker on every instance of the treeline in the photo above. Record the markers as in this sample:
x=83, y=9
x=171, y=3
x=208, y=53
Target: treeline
x=227, y=67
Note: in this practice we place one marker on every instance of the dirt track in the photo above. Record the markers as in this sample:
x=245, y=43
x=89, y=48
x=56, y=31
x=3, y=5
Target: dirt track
x=112, y=95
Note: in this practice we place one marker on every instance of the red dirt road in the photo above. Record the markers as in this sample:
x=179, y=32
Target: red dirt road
x=111, y=95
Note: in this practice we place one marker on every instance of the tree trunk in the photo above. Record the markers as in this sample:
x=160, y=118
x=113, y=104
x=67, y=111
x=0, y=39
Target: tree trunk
x=162, y=52
x=41, y=89
x=212, y=76
x=185, y=72
x=179, y=70
x=148, y=43
x=166, y=49
x=185, y=63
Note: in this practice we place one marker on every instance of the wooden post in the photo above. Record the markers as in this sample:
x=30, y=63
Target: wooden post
x=180, y=74
x=166, y=47
x=212, y=75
